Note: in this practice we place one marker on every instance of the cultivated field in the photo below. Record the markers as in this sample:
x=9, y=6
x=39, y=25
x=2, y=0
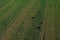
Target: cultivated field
x=29, y=20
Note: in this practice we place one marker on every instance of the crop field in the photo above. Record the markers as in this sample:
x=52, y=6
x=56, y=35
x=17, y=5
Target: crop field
x=29, y=19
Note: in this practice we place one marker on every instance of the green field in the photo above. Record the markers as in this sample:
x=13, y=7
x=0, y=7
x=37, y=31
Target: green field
x=29, y=19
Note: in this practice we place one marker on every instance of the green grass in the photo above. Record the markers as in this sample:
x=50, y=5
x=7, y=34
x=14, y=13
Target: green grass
x=27, y=27
x=5, y=20
x=57, y=26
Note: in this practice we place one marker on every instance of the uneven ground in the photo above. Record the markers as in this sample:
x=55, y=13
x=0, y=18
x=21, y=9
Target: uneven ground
x=29, y=19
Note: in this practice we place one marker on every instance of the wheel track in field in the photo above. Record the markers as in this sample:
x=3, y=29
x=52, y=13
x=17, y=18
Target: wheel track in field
x=42, y=33
x=14, y=25
x=57, y=36
x=52, y=25
x=49, y=24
